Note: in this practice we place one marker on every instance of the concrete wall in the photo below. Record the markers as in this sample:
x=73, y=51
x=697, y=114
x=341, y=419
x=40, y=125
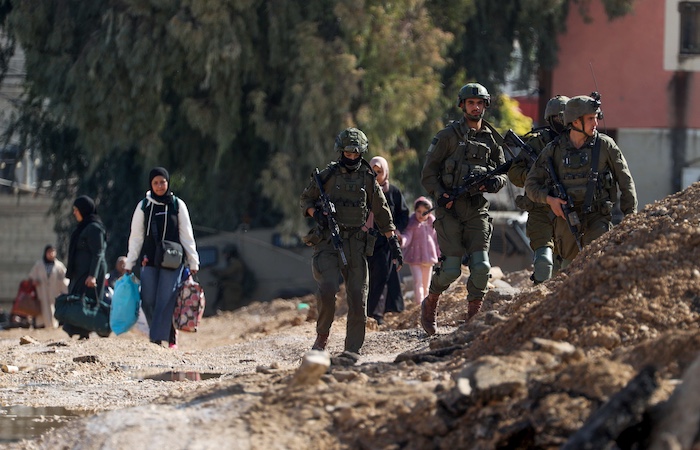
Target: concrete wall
x=649, y=156
x=26, y=229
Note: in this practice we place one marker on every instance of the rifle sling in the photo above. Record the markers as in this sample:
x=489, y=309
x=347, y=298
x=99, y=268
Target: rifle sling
x=592, y=177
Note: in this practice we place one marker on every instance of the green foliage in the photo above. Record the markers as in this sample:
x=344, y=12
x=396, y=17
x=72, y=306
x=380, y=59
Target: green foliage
x=511, y=117
x=241, y=100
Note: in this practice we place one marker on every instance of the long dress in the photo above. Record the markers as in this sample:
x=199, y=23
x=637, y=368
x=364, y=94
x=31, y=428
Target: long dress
x=50, y=285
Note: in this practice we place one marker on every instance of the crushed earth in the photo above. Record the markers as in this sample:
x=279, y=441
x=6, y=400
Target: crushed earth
x=590, y=359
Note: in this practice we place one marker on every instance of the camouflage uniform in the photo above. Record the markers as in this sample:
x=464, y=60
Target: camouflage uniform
x=355, y=193
x=572, y=166
x=455, y=154
x=540, y=220
x=540, y=226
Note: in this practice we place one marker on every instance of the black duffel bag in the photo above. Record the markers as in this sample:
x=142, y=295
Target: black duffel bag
x=83, y=312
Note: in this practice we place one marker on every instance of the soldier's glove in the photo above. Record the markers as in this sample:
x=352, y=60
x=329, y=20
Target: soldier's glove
x=321, y=219
x=492, y=185
x=443, y=201
x=395, y=249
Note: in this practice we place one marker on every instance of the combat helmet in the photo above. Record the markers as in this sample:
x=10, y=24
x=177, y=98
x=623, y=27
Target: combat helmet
x=555, y=107
x=580, y=106
x=351, y=140
x=473, y=90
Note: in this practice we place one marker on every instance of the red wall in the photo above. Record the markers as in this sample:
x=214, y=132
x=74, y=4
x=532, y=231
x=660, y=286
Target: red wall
x=627, y=59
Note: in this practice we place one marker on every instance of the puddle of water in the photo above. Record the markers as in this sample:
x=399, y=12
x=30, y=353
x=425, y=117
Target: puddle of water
x=26, y=422
x=177, y=376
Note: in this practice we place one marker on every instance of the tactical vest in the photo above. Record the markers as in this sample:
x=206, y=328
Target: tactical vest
x=471, y=158
x=573, y=166
x=350, y=191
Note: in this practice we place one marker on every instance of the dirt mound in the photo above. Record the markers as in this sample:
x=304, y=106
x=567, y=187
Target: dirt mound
x=634, y=284
x=612, y=334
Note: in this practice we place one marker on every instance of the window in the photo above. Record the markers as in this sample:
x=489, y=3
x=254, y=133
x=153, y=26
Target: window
x=690, y=28
x=208, y=256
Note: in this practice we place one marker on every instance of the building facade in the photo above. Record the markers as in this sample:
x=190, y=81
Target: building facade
x=645, y=66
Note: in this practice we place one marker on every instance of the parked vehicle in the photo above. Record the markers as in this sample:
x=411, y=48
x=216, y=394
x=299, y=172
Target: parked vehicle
x=281, y=267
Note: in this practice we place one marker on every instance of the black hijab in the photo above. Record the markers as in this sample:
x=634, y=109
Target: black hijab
x=88, y=210
x=168, y=196
x=46, y=249
x=48, y=265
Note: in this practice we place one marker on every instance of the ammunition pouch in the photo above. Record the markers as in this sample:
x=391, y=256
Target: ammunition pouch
x=313, y=237
x=524, y=203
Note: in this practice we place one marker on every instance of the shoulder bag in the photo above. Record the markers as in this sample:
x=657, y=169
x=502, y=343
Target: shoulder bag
x=169, y=254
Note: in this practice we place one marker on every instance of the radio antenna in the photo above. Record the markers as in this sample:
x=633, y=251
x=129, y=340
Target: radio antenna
x=597, y=91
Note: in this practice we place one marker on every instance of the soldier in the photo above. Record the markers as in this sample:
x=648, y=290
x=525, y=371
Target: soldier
x=539, y=228
x=351, y=185
x=591, y=168
x=464, y=149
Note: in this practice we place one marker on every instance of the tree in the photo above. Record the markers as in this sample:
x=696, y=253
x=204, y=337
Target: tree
x=241, y=100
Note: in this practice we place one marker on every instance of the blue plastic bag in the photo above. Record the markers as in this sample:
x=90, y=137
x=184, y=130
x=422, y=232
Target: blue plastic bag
x=126, y=302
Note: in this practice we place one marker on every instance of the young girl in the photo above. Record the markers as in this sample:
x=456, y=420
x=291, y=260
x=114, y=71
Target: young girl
x=420, y=247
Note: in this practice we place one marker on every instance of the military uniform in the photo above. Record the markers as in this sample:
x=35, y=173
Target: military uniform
x=573, y=166
x=455, y=154
x=355, y=194
x=540, y=220
x=539, y=228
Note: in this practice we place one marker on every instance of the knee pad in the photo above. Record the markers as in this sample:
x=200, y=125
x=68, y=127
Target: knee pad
x=450, y=270
x=479, y=268
x=543, y=264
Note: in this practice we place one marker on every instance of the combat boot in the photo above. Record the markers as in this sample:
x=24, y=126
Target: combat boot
x=428, y=313
x=321, y=341
x=473, y=308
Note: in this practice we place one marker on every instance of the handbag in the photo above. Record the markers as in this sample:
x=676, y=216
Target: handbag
x=126, y=301
x=169, y=254
x=26, y=302
x=189, y=305
x=84, y=312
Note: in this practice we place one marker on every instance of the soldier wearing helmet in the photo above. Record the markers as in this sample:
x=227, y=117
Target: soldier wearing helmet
x=539, y=227
x=593, y=171
x=464, y=149
x=352, y=187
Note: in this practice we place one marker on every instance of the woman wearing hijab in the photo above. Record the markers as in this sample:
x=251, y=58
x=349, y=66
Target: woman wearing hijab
x=49, y=278
x=86, y=256
x=382, y=272
x=160, y=216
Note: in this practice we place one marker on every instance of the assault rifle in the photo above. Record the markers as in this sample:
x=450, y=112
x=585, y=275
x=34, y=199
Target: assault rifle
x=570, y=215
x=511, y=136
x=472, y=185
x=328, y=209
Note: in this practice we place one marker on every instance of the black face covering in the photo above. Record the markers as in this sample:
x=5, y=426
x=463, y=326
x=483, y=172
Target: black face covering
x=556, y=125
x=350, y=164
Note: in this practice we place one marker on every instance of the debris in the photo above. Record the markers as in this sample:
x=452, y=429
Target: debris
x=24, y=340
x=86, y=359
x=314, y=364
x=622, y=411
x=9, y=369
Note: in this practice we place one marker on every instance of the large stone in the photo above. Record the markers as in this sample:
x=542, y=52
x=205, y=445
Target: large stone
x=314, y=364
x=492, y=379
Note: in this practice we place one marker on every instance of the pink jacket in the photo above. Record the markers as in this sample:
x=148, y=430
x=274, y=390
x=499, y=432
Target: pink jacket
x=420, y=244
